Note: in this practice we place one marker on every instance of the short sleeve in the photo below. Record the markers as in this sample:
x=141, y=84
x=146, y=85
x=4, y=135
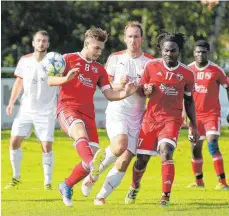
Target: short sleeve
x=145, y=79
x=222, y=78
x=190, y=84
x=19, y=69
x=110, y=65
x=103, y=81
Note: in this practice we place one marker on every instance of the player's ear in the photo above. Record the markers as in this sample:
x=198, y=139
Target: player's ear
x=48, y=44
x=143, y=39
x=33, y=43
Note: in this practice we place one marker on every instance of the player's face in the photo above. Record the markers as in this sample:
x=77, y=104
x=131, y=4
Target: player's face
x=133, y=39
x=94, y=49
x=200, y=54
x=170, y=53
x=40, y=43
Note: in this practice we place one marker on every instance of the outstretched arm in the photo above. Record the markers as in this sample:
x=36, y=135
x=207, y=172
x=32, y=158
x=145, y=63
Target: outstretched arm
x=113, y=95
x=56, y=81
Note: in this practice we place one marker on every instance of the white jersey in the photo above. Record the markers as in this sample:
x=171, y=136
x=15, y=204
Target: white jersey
x=120, y=64
x=38, y=97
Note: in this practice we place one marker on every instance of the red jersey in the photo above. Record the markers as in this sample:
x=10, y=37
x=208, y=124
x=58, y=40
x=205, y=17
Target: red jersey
x=78, y=93
x=170, y=85
x=206, y=95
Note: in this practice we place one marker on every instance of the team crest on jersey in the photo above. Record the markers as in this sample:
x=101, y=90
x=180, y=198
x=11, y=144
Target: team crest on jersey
x=180, y=77
x=208, y=75
x=94, y=69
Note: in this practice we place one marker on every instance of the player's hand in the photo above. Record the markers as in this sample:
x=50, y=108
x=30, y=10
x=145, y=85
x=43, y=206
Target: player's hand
x=9, y=109
x=124, y=80
x=194, y=136
x=72, y=73
x=148, y=89
x=184, y=118
x=131, y=88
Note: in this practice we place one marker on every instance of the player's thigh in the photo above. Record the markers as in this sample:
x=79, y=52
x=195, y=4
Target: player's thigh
x=133, y=137
x=169, y=133
x=117, y=131
x=44, y=127
x=200, y=128
x=22, y=125
x=212, y=125
x=72, y=123
x=147, y=142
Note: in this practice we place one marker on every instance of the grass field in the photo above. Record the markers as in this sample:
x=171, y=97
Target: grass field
x=32, y=200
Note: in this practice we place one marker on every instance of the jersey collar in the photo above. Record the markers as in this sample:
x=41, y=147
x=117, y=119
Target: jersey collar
x=84, y=58
x=172, y=68
x=202, y=68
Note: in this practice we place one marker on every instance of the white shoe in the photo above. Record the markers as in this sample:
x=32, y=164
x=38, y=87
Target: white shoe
x=86, y=186
x=99, y=201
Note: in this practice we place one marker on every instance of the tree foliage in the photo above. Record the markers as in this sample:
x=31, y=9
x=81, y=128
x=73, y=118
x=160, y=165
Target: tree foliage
x=67, y=21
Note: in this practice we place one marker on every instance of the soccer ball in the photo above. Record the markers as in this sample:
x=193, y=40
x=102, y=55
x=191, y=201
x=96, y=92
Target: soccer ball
x=53, y=63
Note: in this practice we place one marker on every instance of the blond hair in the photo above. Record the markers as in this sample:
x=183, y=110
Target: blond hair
x=134, y=24
x=96, y=33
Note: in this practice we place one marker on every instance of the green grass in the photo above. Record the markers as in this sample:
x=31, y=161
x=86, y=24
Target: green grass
x=32, y=200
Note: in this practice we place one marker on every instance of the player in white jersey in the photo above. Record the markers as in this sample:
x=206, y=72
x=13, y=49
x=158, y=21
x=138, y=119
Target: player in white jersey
x=123, y=118
x=38, y=109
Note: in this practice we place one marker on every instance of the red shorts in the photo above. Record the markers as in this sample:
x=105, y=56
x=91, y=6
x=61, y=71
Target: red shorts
x=153, y=134
x=68, y=117
x=207, y=126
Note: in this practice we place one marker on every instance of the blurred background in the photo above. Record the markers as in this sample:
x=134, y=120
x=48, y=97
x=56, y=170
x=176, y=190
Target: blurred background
x=67, y=21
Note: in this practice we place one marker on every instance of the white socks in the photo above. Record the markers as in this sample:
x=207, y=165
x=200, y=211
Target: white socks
x=47, y=162
x=109, y=159
x=113, y=179
x=15, y=158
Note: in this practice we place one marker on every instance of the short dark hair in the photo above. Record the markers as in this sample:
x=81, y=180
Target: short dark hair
x=43, y=32
x=134, y=24
x=202, y=43
x=178, y=38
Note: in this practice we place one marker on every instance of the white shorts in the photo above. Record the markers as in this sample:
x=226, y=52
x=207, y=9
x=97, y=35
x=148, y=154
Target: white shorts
x=117, y=125
x=44, y=126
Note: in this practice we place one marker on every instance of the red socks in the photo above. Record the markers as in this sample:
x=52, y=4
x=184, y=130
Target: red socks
x=137, y=176
x=168, y=172
x=197, y=166
x=219, y=168
x=84, y=150
x=78, y=173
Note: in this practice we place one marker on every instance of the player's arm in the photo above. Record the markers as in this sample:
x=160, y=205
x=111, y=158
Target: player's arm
x=113, y=95
x=16, y=91
x=57, y=81
x=191, y=113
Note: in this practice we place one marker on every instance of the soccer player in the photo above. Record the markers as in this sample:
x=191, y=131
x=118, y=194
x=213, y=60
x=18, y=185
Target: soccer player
x=76, y=108
x=172, y=82
x=123, y=118
x=38, y=109
x=209, y=77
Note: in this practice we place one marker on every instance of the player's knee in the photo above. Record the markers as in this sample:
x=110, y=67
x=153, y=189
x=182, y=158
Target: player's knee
x=213, y=147
x=166, y=153
x=122, y=165
x=142, y=162
x=118, y=150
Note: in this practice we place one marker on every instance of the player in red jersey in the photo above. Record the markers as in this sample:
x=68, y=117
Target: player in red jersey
x=75, y=110
x=209, y=77
x=162, y=120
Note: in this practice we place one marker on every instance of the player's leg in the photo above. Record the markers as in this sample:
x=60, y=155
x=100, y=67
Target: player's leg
x=168, y=170
x=197, y=157
x=212, y=126
x=21, y=128
x=146, y=148
x=44, y=127
x=167, y=142
x=117, y=131
x=114, y=177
